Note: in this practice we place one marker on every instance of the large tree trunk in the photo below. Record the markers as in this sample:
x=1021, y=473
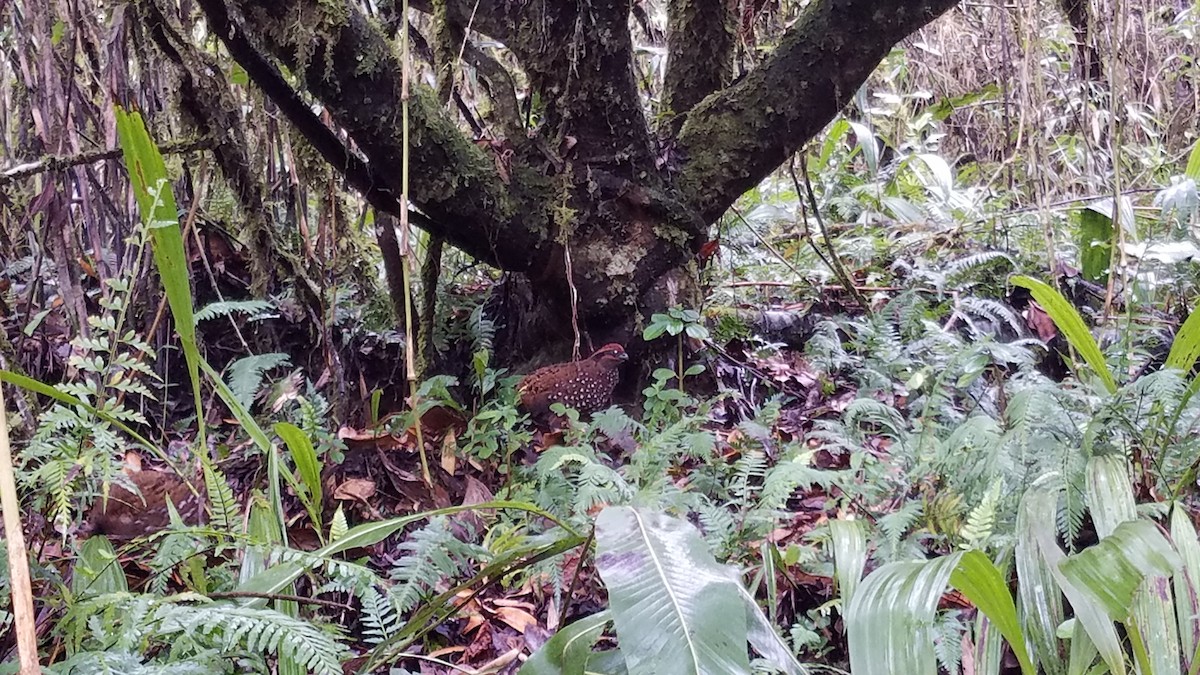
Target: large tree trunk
x=589, y=204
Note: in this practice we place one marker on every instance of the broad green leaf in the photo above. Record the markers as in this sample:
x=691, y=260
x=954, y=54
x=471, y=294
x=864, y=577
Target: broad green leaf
x=152, y=189
x=889, y=624
x=1071, y=324
x=1109, y=493
x=942, y=177
x=868, y=145
x=238, y=75
x=304, y=455
x=947, y=106
x=1154, y=615
x=1193, y=166
x=1112, y=570
x=1095, y=244
x=676, y=610
x=1186, y=347
x=1083, y=650
x=833, y=138
x=261, y=532
x=1041, y=500
x=570, y=649
x=654, y=331
x=982, y=583
x=849, y=539
x=1186, y=579
x=1111, y=501
x=765, y=639
x=989, y=657
x=904, y=210
x=1040, y=600
x=97, y=570
x=1122, y=215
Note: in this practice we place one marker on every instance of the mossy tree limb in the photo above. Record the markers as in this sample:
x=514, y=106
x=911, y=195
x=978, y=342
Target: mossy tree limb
x=206, y=97
x=734, y=139
x=347, y=63
x=638, y=212
x=700, y=42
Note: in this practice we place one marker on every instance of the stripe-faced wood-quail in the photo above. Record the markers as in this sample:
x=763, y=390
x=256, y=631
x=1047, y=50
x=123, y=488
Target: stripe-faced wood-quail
x=126, y=515
x=585, y=385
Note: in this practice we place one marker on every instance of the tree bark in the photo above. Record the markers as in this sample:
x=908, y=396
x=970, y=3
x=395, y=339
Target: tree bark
x=348, y=65
x=700, y=41
x=589, y=185
x=205, y=96
x=1080, y=18
x=734, y=139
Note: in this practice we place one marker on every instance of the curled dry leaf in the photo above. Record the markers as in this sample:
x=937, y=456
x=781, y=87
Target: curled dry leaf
x=516, y=618
x=355, y=489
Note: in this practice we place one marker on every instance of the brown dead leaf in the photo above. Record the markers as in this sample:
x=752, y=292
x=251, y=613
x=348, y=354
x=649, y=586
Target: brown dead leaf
x=370, y=438
x=450, y=452
x=499, y=663
x=133, y=461
x=1037, y=319
x=481, y=645
x=476, y=492
x=446, y=651
x=516, y=618
x=355, y=489
x=440, y=420
x=474, y=621
x=512, y=602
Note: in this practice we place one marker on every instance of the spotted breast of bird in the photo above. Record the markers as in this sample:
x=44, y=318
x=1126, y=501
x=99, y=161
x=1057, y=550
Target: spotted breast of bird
x=585, y=385
x=127, y=515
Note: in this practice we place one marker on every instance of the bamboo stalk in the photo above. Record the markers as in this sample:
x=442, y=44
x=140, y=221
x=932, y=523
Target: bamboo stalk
x=18, y=557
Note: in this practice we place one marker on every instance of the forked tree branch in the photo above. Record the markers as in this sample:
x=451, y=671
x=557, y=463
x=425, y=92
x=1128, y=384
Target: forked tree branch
x=351, y=68
x=733, y=140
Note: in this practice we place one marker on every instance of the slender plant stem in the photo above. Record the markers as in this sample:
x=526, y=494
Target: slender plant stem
x=410, y=348
x=222, y=595
x=835, y=262
x=679, y=361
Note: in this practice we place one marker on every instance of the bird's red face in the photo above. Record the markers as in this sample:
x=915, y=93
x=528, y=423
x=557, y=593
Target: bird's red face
x=610, y=355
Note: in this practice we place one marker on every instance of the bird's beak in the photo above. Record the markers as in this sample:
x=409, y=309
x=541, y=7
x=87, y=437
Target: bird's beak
x=624, y=356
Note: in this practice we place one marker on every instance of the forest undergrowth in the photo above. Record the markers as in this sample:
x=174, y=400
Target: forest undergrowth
x=936, y=413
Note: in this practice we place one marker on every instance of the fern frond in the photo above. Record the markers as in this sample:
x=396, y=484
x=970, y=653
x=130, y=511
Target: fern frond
x=381, y=618
x=992, y=310
x=897, y=523
x=253, y=309
x=748, y=473
x=978, y=527
x=258, y=630
x=975, y=262
x=172, y=550
x=947, y=642
x=786, y=477
x=224, y=511
x=245, y=375
x=428, y=556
